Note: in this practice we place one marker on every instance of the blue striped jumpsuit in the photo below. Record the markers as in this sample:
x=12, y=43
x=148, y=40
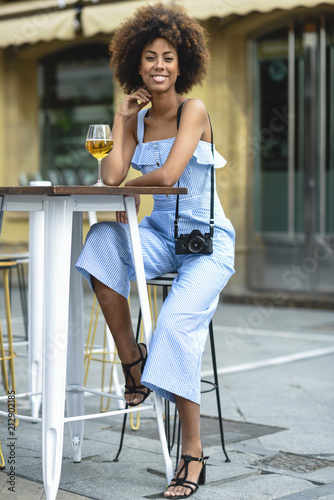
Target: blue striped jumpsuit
x=174, y=361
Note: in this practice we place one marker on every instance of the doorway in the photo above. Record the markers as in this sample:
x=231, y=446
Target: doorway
x=292, y=231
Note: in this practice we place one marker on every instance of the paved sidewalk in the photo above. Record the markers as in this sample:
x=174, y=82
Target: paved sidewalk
x=276, y=374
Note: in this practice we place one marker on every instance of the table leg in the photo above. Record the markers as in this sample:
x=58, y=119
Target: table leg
x=147, y=322
x=57, y=251
x=75, y=357
x=35, y=308
x=35, y=304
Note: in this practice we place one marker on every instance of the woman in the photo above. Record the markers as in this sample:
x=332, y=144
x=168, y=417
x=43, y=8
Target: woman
x=157, y=56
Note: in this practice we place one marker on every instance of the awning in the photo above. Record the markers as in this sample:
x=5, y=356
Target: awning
x=34, y=21
x=224, y=8
x=33, y=6
x=27, y=22
x=104, y=18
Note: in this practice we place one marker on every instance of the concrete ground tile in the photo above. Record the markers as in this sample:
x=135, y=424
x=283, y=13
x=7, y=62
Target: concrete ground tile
x=24, y=489
x=253, y=450
x=130, y=480
x=257, y=487
x=321, y=476
x=283, y=410
x=215, y=474
x=298, y=418
x=66, y=495
x=282, y=318
x=27, y=435
x=229, y=411
x=300, y=442
x=101, y=438
x=89, y=447
x=3, y=480
x=238, y=459
x=131, y=442
x=26, y=460
x=316, y=492
x=72, y=472
x=33, y=472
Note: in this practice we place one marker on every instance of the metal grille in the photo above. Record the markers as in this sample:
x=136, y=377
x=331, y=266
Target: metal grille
x=295, y=463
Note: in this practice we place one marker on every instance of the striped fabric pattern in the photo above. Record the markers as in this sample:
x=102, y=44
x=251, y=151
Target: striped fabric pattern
x=174, y=362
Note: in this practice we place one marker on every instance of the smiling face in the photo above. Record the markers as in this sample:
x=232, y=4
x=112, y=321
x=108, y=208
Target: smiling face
x=159, y=66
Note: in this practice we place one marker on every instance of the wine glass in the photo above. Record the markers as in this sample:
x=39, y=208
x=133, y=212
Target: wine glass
x=98, y=143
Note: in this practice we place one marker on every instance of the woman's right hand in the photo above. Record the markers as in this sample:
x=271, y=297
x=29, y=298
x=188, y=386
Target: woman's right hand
x=134, y=102
x=121, y=215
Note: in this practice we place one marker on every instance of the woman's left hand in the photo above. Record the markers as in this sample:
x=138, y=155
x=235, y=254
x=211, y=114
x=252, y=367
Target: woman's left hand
x=121, y=215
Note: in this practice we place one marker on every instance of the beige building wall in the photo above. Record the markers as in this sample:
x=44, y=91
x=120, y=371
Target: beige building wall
x=19, y=133
x=226, y=101
x=225, y=93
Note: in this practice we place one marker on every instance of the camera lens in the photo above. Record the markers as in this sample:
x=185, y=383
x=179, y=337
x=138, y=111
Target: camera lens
x=196, y=244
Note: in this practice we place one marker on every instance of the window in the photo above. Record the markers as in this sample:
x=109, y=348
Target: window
x=75, y=91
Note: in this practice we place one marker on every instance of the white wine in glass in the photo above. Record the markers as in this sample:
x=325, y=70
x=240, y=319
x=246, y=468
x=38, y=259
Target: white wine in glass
x=99, y=143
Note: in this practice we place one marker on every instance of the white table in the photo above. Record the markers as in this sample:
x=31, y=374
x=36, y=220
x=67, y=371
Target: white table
x=62, y=326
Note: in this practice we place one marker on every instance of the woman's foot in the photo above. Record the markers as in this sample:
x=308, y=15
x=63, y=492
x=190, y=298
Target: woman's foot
x=135, y=393
x=188, y=473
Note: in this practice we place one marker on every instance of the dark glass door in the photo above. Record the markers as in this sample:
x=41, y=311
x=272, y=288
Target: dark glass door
x=292, y=240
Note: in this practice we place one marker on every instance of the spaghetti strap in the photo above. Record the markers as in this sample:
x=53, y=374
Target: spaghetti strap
x=140, y=124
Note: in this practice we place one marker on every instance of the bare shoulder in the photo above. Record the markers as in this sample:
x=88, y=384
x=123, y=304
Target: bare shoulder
x=195, y=118
x=194, y=109
x=196, y=105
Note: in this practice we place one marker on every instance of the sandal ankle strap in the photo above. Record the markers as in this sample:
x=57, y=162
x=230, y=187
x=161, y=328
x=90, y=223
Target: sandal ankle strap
x=189, y=458
x=127, y=366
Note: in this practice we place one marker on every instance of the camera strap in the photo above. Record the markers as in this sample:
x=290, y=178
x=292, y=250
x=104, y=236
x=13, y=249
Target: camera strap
x=177, y=217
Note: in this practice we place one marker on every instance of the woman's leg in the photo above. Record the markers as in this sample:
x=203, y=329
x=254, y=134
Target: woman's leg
x=189, y=414
x=115, y=309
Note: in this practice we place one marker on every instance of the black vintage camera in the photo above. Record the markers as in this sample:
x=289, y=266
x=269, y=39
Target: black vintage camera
x=195, y=242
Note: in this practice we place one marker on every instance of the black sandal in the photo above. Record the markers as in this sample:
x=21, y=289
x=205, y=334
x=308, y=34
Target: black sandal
x=182, y=481
x=130, y=384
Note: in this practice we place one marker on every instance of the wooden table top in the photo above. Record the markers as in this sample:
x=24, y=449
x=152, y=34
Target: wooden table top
x=70, y=190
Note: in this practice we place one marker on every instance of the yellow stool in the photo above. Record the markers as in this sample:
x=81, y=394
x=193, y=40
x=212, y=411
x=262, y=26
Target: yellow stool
x=7, y=355
x=2, y=460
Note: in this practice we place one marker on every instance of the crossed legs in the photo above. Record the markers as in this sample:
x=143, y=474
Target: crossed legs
x=116, y=312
